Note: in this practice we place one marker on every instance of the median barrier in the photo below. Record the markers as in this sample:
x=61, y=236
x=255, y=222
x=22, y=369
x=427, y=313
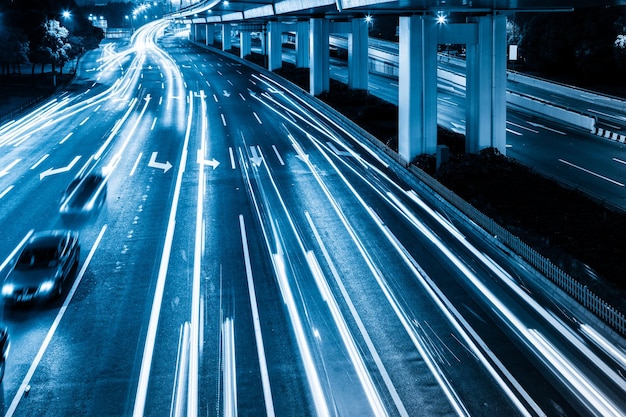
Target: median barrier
x=552, y=111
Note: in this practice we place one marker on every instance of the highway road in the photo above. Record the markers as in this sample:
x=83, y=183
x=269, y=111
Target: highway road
x=257, y=257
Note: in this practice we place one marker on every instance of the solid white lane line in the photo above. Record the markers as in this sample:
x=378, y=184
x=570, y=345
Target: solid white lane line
x=20, y=392
x=146, y=361
x=280, y=159
x=132, y=171
x=267, y=392
x=257, y=118
x=232, y=157
x=591, y=172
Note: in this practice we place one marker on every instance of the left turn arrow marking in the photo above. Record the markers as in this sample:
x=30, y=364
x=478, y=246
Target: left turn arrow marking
x=53, y=171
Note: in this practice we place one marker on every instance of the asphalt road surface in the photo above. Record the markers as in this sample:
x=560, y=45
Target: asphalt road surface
x=258, y=257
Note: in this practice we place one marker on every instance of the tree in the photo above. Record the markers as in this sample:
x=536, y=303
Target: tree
x=15, y=49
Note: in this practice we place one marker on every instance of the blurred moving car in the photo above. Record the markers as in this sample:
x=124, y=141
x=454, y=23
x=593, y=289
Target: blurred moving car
x=5, y=343
x=85, y=194
x=43, y=265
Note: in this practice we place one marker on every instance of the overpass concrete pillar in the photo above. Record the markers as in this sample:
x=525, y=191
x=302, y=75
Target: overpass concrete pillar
x=194, y=33
x=319, y=60
x=417, y=98
x=210, y=34
x=358, y=71
x=226, y=36
x=486, y=86
x=245, y=44
x=274, y=45
x=302, y=44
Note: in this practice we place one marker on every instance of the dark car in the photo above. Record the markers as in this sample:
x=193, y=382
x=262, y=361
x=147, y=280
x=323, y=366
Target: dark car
x=43, y=265
x=85, y=194
x=5, y=343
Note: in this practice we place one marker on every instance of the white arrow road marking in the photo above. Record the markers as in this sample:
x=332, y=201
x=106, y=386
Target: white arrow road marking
x=256, y=159
x=54, y=171
x=299, y=151
x=6, y=170
x=159, y=165
x=226, y=93
x=213, y=162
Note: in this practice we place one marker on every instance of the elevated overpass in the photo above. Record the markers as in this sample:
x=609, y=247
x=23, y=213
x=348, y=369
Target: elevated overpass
x=423, y=24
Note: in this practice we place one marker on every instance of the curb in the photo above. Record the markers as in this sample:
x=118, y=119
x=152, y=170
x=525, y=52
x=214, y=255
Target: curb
x=603, y=133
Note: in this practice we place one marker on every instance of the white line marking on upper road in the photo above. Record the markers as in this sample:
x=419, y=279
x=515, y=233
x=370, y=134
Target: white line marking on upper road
x=522, y=127
x=591, y=172
x=257, y=118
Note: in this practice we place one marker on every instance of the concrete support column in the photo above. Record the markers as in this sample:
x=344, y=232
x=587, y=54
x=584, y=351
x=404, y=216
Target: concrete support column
x=358, y=71
x=417, y=98
x=210, y=34
x=245, y=44
x=274, y=45
x=319, y=59
x=486, y=86
x=226, y=37
x=194, y=32
x=302, y=44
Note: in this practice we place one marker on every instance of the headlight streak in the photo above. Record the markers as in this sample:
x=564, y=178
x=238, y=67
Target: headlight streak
x=357, y=359
x=366, y=146
x=592, y=394
x=177, y=406
x=497, y=270
x=276, y=253
x=446, y=387
x=555, y=323
x=602, y=343
x=146, y=360
x=229, y=373
x=496, y=267
x=258, y=336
